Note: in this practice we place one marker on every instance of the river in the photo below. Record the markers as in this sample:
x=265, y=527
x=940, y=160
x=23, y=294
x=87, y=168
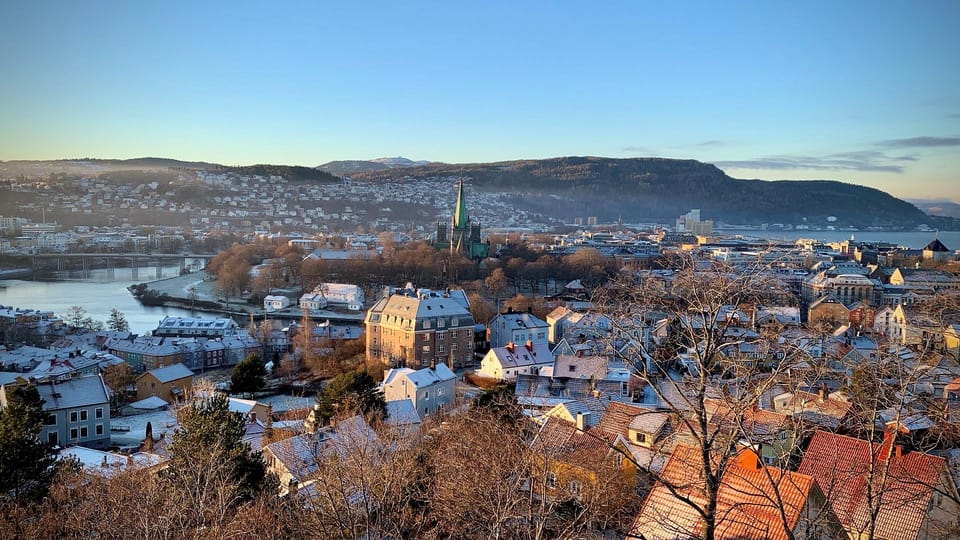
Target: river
x=98, y=294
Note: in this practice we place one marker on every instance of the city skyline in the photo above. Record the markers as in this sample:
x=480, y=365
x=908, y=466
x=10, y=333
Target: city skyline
x=859, y=92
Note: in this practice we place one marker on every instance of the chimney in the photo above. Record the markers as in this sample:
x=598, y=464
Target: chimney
x=583, y=421
x=824, y=392
x=433, y=363
x=579, y=353
x=889, y=437
x=529, y=344
x=510, y=347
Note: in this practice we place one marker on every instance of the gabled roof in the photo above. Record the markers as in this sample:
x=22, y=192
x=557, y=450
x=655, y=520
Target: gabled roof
x=562, y=440
x=842, y=467
x=522, y=356
x=171, y=373
x=73, y=393
x=745, y=506
x=937, y=246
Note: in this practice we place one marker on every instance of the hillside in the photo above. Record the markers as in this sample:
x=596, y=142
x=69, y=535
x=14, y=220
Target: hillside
x=353, y=166
x=643, y=189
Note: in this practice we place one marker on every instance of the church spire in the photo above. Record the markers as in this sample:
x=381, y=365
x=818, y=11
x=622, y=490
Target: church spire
x=460, y=212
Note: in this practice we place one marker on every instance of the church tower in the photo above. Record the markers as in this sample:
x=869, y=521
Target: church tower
x=462, y=236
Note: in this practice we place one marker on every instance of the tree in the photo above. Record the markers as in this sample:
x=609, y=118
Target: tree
x=75, y=316
x=212, y=471
x=117, y=322
x=496, y=282
x=711, y=388
x=248, y=375
x=118, y=377
x=26, y=463
x=347, y=391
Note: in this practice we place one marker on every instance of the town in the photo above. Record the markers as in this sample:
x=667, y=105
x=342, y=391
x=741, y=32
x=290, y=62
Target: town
x=607, y=381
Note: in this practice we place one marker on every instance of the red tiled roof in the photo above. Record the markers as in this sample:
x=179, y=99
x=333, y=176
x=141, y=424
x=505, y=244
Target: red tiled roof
x=844, y=466
x=747, y=504
x=616, y=420
x=562, y=440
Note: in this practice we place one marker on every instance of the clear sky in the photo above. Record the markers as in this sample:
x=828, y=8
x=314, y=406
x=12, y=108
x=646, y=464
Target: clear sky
x=866, y=92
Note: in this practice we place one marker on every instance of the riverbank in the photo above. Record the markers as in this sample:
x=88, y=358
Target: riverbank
x=196, y=292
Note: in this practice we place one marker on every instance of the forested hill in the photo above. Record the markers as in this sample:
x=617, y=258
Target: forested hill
x=655, y=188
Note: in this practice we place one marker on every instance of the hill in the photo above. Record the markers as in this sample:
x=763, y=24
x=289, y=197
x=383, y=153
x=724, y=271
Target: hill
x=645, y=189
x=351, y=167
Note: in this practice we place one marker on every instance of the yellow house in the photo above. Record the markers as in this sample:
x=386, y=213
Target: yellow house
x=169, y=383
x=951, y=340
x=574, y=462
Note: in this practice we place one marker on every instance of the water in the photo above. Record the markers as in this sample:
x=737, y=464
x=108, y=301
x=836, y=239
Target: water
x=97, y=294
x=911, y=239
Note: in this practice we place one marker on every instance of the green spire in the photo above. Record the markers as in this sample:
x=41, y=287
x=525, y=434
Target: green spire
x=460, y=217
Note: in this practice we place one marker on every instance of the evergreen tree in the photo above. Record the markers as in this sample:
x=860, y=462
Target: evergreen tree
x=26, y=463
x=208, y=450
x=248, y=375
x=351, y=389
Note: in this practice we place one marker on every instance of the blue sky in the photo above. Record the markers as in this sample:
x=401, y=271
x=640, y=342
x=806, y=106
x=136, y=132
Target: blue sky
x=865, y=92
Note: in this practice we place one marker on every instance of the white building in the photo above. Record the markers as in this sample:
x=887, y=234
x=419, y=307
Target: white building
x=340, y=294
x=275, y=302
x=505, y=363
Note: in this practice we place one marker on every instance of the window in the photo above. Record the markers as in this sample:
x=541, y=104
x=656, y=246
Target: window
x=573, y=368
x=575, y=488
x=52, y=438
x=50, y=420
x=99, y=430
x=426, y=323
x=83, y=416
x=441, y=348
x=441, y=323
x=454, y=321
x=453, y=346
x=550, y=481
x=426, y=396
x=640, y=437
x=441, y=336
x=73, y=416
x=426, y=348
x=84, y=433
x=73, y=433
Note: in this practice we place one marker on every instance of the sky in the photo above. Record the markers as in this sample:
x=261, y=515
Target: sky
x=866, y=92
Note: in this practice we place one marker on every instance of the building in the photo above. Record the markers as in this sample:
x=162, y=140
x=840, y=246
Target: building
x=429, y=389
x=749, y=502
x=419, y=328
x=169, y=383
x=273, y=302
x=464, y=236
x=196, y=327
x=77, y=411
x=505, y=363
x=913, y=494
x=511, y=327
x=936, y=251
x=691, y=223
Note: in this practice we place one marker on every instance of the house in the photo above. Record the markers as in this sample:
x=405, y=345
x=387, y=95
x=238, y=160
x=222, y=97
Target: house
x=109, y=464
x=951, y=340
x=77, y=411
x=574, y=461
x=750, y=499
x=296, y=461
x=252, y=411
x=829, y=310
x=505, y=363
x=429, y=389
x=820, y=410
x=936, y=251
x=171, y=383
x=912, y=494
x=272, y=302
x=563, y=321
x=312, y=301
x=514, y=327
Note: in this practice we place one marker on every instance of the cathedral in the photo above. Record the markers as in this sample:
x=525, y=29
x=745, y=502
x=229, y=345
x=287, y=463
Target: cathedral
x=464, y=236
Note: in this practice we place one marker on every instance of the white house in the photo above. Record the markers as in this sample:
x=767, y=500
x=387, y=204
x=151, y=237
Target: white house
x=311, y=301
x=275, y=302
x=429, y=389
x=505, y=363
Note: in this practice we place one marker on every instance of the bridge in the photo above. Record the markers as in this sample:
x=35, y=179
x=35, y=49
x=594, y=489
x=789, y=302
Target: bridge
x=134, y=260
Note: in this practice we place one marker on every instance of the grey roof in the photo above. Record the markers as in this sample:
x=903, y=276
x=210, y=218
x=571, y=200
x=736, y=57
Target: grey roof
x=73, y=393
x=522, y=356
x=171, y=373
x=518, y=321
x=427, y=376
x=402, y=413
x=152, y=402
